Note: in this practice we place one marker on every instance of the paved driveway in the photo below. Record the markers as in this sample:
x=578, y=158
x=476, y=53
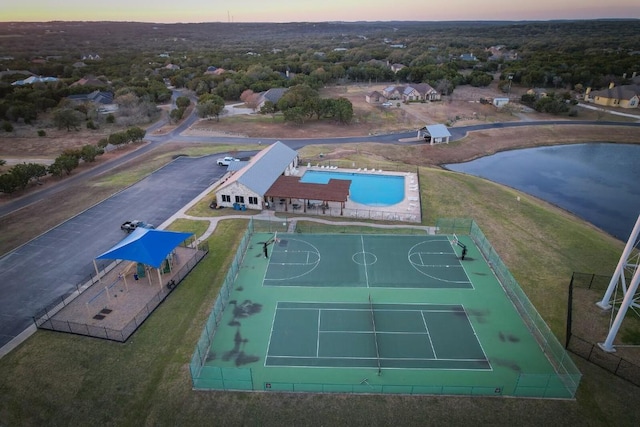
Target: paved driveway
x=51, y=265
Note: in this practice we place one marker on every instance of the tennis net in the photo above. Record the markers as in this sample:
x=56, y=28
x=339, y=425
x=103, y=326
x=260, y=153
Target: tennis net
x=375, y=335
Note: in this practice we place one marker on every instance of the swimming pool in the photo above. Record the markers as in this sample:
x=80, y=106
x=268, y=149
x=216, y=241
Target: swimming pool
x=367, y=189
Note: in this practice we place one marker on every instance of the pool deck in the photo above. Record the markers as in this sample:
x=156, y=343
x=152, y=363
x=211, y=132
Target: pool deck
x=408, y=210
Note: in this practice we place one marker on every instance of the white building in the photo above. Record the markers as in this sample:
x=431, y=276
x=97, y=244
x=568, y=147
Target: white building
x=246, y=187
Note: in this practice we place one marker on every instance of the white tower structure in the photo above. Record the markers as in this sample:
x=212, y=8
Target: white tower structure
x=628, y=263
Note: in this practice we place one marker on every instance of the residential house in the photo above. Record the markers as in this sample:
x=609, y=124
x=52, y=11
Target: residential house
x=34, y=79
x=538, y=92
x=97, y=97
x=172, y=67
x=397, y=67
x=89, y=81
x=247, y=186
x=468, y=57
x=420, y=92
x=393, y=92
x=273, y=95
x=211, y=70
x=412, y=93
x=625, y=96
x=375, y=97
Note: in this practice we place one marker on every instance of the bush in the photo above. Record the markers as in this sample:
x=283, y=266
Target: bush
x=91, y=125
x=41, y=132
x=111, y=118
x=7, y=127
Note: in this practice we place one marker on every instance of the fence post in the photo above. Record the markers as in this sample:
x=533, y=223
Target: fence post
x=569, y=313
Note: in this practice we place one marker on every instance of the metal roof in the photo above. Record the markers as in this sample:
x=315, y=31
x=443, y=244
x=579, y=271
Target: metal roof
x=438, y=131
x=266, y=167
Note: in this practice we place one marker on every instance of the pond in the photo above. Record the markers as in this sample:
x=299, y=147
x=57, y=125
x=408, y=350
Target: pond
x=598, y=182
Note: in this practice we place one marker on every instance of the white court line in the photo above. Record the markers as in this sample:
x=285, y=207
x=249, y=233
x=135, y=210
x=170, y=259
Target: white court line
x=364, y=261
x=273, y=321
x=424, y=322
x=318, y=335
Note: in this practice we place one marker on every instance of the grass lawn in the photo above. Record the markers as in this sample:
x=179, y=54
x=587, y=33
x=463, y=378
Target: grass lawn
x=60, y=379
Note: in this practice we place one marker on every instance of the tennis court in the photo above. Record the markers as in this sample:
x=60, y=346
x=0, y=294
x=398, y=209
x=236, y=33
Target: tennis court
x=369, y=313
x=374, y=336
x=365, y=261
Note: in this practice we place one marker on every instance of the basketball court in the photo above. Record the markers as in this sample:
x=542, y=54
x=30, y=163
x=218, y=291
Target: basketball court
x=371, y=313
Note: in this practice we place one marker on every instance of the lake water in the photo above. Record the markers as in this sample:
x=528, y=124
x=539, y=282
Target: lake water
x=597, y=182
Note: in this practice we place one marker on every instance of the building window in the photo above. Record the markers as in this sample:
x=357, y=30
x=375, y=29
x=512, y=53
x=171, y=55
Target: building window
x=253, y=200
x=226, y=198
x=239, y=199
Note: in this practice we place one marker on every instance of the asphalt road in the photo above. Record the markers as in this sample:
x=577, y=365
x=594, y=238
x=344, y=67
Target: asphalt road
x=51, y=266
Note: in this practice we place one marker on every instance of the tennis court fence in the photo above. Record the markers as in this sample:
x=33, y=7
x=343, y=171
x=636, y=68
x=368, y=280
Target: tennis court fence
x=564, y=382
x=565, y=368
x=586, y=326
x=200, y=374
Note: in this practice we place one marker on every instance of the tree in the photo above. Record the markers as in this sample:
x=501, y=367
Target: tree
x=343, y=109
x=88, y=153
x=176, y=114
x=268, y=108
x=8, y=183
x=210, y=105
x=67, y=118
x=136, y=134
x=294, y=114
x=64, y=163
x=183, y=102
x=118, y=138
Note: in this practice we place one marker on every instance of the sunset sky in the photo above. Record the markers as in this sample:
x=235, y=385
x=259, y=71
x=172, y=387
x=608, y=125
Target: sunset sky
x=310, y=10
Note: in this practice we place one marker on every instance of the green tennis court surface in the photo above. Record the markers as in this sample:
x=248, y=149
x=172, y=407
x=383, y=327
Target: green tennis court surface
x=372, y=314
x=365, y=261
x=405, y=336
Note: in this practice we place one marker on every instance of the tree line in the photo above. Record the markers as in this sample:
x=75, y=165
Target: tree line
x=19, y=176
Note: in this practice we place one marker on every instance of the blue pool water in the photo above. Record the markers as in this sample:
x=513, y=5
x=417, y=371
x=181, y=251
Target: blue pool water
x=367, y=189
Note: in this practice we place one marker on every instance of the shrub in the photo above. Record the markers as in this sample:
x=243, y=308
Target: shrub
x=7, y=127
x=41, y=132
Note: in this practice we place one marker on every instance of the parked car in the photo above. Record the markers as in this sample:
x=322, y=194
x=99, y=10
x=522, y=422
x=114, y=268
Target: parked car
x=129, y=226
x=226, y=161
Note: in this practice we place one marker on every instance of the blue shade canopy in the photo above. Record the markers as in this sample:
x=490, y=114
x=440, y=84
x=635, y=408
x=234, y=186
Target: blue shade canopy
x=146, y=246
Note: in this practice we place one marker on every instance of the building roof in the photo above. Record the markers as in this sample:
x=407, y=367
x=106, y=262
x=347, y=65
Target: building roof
x=336, y=190
x=96, y=96
x=618, y=92
x=147, y=246
x=265, y=168
x=34, y=79
x=438, y=131
x=88, y=81
x=273, y=94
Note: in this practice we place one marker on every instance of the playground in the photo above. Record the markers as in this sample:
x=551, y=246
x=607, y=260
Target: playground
x=123, y=298
x=370, y=314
